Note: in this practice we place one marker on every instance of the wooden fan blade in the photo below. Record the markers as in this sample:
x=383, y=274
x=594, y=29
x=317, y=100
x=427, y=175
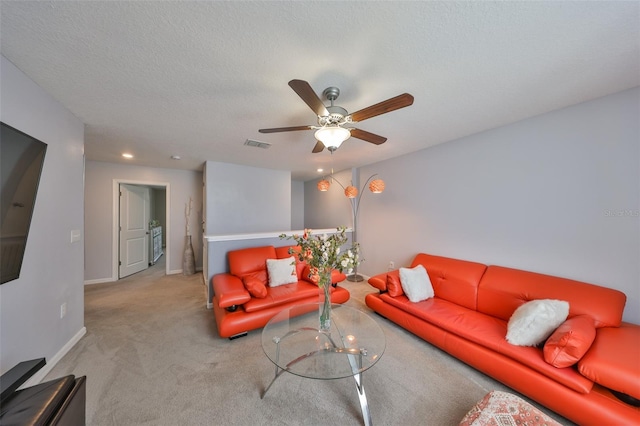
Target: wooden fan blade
x=318, y=148
x=368, y=136
x=306, y=93
x=383, y=107
x=284, y=129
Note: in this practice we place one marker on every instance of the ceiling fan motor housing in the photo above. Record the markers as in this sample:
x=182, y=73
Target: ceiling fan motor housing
x=331, y=93
x=337, y=116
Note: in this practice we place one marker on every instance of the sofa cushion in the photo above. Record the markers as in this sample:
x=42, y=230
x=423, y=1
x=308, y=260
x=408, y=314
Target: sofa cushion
x=284, y=252
x=487, y=331
x=282, y=271
x=394, y=287
x=502, y=290
x=284, y=294
x=612, y=360
x=534, y=321
x=569, y=342
x=260, y=275
x=454, y=280
x=248, y=260
x=255, y=287
x=415, y=283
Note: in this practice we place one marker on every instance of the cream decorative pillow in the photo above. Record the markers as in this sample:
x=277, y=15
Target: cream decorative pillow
x=534, y=321
x=282, y=271
x=416, y=284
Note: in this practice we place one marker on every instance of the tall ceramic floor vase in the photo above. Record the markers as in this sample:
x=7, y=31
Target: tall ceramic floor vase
x=324, y=307
x=188, y=260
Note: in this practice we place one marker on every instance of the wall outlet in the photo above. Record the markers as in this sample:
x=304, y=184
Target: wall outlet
x=63, y=310
x=392, y=265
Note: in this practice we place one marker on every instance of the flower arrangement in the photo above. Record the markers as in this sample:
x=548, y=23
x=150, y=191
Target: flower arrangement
x=323, y=254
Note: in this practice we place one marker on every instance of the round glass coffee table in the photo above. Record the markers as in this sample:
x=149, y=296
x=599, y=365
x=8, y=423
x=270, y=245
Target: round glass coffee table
x=354, y=343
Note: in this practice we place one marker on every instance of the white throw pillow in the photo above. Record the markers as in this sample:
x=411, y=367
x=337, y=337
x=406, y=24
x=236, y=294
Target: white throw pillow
x=533, y=322
x=282, y=271
x=415, y=283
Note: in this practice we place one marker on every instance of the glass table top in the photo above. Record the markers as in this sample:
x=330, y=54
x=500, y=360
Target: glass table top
x=293, y=343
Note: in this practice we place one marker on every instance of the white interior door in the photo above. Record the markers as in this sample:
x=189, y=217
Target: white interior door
x=134, y=229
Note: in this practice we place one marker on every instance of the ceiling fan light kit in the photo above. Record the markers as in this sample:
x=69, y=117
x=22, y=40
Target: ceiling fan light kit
x=332, y=136
x=330, y=131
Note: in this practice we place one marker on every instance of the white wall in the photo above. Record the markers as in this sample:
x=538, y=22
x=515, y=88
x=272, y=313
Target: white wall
x=246, y=199
x=52, y=271
x=99, y=214
x=557, y=194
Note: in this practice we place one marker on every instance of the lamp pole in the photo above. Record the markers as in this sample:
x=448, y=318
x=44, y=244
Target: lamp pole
x=355, y=207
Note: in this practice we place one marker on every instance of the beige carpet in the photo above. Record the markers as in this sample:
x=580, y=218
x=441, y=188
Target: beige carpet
x=152, y=356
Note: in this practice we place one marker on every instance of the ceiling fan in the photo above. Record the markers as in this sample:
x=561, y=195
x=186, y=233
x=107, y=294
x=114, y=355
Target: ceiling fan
x=331, y=130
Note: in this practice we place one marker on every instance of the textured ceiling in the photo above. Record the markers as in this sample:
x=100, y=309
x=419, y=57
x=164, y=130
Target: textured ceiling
x=197, y=79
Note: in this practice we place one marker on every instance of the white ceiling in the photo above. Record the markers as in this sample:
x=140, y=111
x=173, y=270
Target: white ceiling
x=196, y=79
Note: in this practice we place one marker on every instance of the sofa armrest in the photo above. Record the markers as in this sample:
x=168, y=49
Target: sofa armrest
x=337, y=276
x=14, y=378
x=612, y=360
x=229, y=290
x=379, y=281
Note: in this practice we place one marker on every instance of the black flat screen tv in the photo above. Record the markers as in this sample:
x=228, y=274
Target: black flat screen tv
x=21, y=161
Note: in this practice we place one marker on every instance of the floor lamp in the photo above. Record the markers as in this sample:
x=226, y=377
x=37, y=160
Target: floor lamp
x=351, y=192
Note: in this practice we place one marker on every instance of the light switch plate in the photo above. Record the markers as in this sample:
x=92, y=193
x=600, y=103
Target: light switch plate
x=75, y=235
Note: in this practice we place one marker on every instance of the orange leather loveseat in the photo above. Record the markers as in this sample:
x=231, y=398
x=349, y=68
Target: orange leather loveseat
x=246, y=298
x=468, y=318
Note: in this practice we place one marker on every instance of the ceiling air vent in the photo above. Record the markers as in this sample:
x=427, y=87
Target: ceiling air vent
x=257, y=144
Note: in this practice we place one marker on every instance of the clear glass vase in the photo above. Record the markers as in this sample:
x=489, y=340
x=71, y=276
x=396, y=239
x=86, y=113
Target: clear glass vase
x=324, y=306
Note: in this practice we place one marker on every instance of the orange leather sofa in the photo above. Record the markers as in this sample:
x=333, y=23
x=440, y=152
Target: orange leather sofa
x=468, y=318
x=237, y=311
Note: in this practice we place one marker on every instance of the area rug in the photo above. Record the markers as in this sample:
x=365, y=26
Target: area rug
x=505, y=409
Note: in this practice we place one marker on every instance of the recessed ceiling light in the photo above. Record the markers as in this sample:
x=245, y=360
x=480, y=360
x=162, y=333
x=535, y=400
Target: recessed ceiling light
x=126, y=155
x=175, y=157
x=320, y=170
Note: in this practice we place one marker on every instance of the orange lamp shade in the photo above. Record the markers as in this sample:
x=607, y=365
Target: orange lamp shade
x=351, y=191
x=376, y=186
x=323, y=185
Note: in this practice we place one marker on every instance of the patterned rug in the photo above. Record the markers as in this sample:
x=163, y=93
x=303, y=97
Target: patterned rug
x=504, y=409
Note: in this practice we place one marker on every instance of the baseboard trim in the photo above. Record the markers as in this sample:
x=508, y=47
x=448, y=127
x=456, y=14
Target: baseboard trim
x=40, y=375
x=99, y=281
x=179, y=271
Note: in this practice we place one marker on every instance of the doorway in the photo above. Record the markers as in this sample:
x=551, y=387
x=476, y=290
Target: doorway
x=134, y=218
x=140, y=204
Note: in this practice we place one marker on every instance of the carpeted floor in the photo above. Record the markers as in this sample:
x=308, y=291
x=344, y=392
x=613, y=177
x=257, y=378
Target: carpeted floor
x=152, y=356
